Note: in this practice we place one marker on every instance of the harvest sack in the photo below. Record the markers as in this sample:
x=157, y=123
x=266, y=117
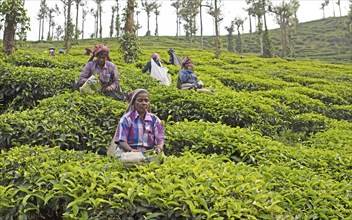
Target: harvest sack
x=91, y=85
x=160, y=73
x=129, y=159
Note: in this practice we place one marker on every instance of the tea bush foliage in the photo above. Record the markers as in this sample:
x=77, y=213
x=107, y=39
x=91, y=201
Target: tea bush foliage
x=44, y=182
x=273, y=141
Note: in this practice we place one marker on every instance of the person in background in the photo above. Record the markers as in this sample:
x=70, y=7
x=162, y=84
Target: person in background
x=109, y=77
x=88, y=51
x=139, y=130
x=61, y=51
x=187, y=79
x=156, y=58
x=52, y=51
x=174, y=60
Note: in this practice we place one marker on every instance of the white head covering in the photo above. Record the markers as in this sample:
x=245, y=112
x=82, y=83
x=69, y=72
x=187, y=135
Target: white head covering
x=131, y=99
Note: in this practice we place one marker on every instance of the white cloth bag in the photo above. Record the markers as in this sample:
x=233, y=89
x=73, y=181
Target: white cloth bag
x=160, y=73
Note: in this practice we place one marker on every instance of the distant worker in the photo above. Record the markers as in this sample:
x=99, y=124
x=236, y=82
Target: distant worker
x=187, y=79
x=61, y=51
x=88, y=52
x=155, y=57
x=157, y=70
x=107, y=73
x=174, y=60
x=52, y=51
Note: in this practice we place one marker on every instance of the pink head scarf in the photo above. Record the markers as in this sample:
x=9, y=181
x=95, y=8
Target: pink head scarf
x=98, y=48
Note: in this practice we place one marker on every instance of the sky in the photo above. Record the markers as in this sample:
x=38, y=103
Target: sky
x=308, y=10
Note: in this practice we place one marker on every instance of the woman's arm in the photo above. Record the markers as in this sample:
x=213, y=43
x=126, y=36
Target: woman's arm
x=85, y=74
x=126, y=147
x=147, y=67
x=159, y=133
x=116, y=78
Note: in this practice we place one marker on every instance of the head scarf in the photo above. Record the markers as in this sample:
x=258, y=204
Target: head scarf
x=98, y=48
x=171, y=50
x=131, y=99
x=185, y=60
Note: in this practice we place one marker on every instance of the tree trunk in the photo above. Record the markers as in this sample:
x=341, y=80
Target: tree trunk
x=156, y=26
x=250, y=25
x=217, y=30
x=101, y=26
x=177, y=23
x=8, y=42
x=43, y=29
x=83, y=18
x=40, y=28
x=129, y=24
x=282, y=28
x=148, y=31
x=76, y=29
x=201, y=26
x=69, y=28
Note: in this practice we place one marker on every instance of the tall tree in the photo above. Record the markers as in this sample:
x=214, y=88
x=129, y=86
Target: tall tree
x=51, y=13
x=98, y=21
x=201, y=21
x=215, y=11
x=188, y=12
x=250, y=13
x=78, y=3
x=14, y=14
x=94, y=13
x=69, y=26
x=113, y=10
x=339, y=4
x=84, y=16
x=323, y=5
x=117, y=20
x=349, y=27
x=259, y=9
x=239, y=23
x=177, y=5
x=138, y=26
x=148, y=7
x=43, y=12
x=157, y=13
x=59, y=31
x=130, y=45
x=230, y=29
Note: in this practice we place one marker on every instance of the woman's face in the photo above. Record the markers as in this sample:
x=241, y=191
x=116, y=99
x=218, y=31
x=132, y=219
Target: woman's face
x=142, y=103
x=188, y=65
x=101, y=60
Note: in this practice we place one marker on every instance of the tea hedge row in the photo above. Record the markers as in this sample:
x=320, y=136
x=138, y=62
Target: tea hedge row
x=78, y=185
x=71, y=121
x=268, y=119
x=242, y=145
x=23, y=87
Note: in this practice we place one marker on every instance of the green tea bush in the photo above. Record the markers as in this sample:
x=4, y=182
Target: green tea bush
x=35, y=59
x=40, y=182
x=71, y=121
x=23, y=87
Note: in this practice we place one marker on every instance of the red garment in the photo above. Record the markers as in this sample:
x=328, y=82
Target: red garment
x=100, y=47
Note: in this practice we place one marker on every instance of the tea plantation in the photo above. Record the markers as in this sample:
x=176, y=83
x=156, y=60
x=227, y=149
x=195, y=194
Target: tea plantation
x=274, y=141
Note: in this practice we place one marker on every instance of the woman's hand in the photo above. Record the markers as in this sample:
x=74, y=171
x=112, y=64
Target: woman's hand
x=109, y=88
x=159, y=148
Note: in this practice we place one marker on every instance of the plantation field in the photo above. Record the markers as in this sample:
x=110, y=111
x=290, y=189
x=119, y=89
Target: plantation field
x=274, y=141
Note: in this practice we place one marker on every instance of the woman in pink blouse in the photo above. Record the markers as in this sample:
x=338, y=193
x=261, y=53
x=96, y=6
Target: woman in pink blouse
x=109, y=77
x=139, y=130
